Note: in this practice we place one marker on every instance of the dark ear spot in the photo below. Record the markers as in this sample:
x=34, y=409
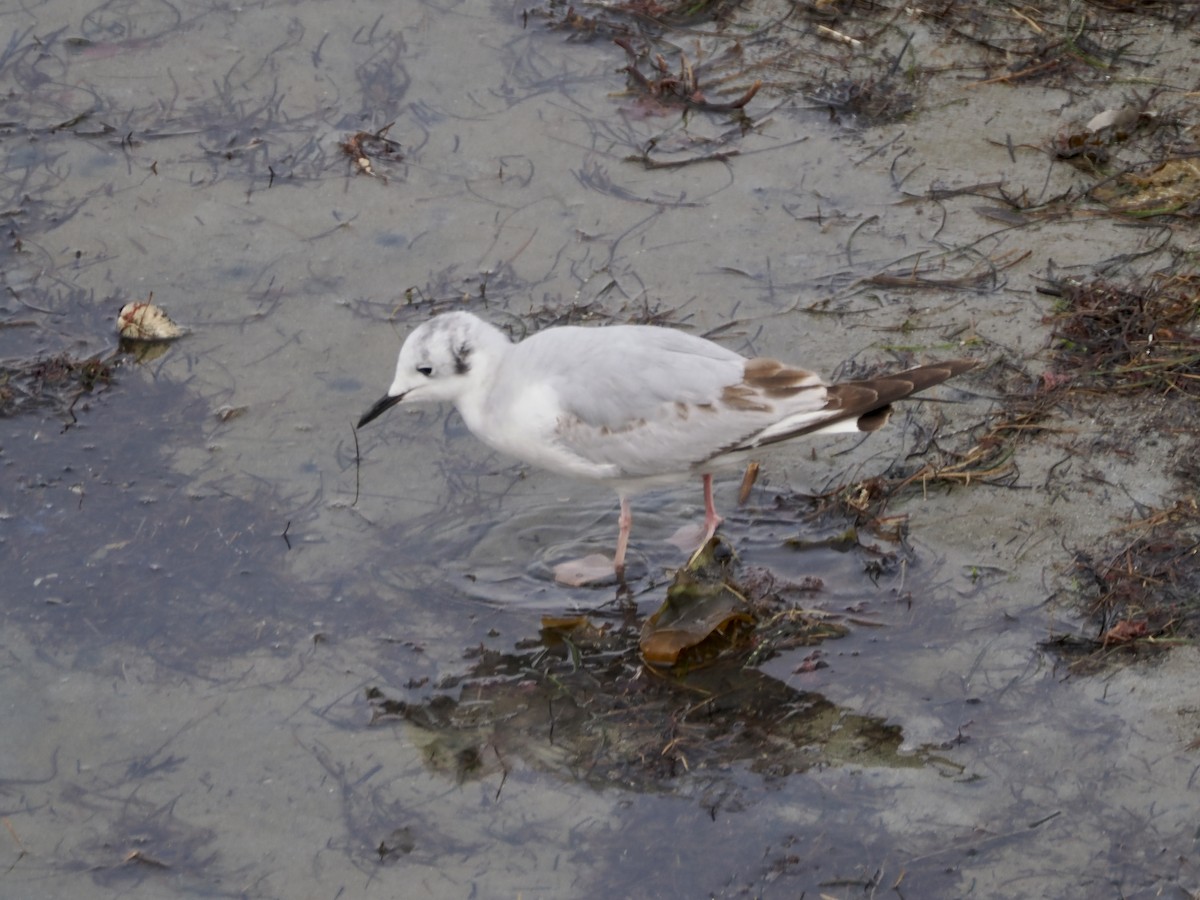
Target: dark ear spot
x=462, y=359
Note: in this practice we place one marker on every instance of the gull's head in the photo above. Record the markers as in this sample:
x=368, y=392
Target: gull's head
x=442, y=360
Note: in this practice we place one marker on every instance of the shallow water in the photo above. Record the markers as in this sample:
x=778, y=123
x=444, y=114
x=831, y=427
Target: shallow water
x=195, y=606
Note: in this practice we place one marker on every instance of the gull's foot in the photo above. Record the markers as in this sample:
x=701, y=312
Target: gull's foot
x=593, y=569
x=688, y=537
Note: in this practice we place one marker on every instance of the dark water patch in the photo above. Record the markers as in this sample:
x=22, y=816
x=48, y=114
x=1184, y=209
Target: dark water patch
x=103, y=543
x=146, y=844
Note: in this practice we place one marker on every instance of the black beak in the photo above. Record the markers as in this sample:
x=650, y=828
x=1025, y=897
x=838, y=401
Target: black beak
x=384, y=404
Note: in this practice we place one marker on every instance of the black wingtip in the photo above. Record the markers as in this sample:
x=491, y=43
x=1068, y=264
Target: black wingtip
x=382, y=406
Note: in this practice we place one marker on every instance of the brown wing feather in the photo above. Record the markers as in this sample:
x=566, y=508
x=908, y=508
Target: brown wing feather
x=870, y=400
x=776, y=380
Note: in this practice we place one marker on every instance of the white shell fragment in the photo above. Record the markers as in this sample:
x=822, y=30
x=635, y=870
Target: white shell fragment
x=228, y=413
x=143, y=321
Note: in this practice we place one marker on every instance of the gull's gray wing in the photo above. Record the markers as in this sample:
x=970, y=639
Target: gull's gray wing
x=641, y=402
x=630, y=402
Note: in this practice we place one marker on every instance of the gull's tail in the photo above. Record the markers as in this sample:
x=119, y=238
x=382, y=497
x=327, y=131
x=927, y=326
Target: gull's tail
x=860, y=405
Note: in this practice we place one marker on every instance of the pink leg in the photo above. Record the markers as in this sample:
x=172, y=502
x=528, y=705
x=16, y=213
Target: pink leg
x=711, y=519
x=625, y=522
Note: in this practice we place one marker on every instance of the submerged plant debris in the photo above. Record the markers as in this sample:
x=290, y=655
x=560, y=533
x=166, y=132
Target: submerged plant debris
x=578, y=711
x=1110, y=339
x=55, y=383
x=1143, y=591
x=1140, y=336
x=580, y=703
x=636, y=706
x=854, y=58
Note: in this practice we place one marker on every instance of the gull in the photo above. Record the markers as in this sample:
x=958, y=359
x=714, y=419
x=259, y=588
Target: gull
x=633, y=406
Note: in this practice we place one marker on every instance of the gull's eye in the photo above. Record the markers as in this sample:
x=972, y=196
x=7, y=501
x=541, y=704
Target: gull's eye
x=427, y=371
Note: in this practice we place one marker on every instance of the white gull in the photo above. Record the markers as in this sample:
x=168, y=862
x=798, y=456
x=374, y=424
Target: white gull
x=632, y=405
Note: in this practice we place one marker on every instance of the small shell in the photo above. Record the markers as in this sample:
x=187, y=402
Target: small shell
x=144, y=321
x=228, y=413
